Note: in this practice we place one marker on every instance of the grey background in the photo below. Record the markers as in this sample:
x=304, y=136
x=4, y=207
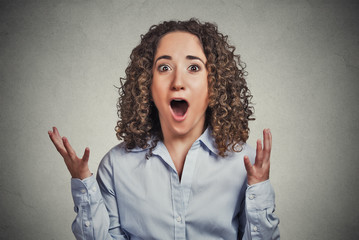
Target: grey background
x=60, y=60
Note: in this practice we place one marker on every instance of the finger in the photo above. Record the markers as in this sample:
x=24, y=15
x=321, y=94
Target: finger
x=266, y=139
x=247, y=164
x=58, y=144
x=86, y=155
x=259, y=154
x=69, y=149
x=57, y=137
x=267, y=144
x=56, y=132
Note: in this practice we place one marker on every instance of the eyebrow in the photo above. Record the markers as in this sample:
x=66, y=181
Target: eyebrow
x=190, y=57
x=194, y=58
x=163, y=57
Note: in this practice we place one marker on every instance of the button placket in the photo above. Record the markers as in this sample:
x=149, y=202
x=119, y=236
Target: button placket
x=178, y=207
x=178, y=219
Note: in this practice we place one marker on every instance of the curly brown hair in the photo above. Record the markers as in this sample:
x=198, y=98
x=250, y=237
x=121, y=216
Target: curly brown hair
x=229, y=107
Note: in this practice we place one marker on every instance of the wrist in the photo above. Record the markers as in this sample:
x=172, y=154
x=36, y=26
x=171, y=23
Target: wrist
x=252, y=181
x=83, y=175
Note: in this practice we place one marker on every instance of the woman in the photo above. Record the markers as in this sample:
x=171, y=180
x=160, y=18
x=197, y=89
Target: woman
x=183, y=170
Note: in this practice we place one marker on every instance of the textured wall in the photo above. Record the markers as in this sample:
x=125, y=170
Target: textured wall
x=60, y=60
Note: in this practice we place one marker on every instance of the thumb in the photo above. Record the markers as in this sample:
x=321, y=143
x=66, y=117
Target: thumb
x=247, y=164
x=86, y=155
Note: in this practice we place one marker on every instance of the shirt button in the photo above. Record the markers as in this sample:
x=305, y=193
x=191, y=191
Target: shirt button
x=251, y=196
x=87, y=223
x=83, y=190
x=178, y=219
x=255, y=228
x=94, y=189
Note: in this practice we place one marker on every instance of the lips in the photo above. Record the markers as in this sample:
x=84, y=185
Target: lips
x=179, y=108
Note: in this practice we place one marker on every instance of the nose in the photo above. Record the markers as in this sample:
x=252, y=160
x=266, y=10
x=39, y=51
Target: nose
x=177, y=82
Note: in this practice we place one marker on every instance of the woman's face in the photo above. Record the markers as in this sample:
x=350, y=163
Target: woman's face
x=179, y=86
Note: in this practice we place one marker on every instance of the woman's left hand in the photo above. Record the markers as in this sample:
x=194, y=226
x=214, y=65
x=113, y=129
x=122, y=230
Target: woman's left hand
x=259, y=171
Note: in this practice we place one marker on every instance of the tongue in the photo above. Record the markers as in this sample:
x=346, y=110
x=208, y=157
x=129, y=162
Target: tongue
x=179, y=107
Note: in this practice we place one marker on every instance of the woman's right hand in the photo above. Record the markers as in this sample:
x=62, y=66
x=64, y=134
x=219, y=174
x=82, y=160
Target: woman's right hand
x=78, y=167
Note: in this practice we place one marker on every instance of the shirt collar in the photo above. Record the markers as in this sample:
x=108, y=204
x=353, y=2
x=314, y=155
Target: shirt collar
x=138, y=149
x=205, y=139
x=208, y=141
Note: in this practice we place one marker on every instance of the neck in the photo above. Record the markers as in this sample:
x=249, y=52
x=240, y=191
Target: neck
x=181, y=141
x=179, y=145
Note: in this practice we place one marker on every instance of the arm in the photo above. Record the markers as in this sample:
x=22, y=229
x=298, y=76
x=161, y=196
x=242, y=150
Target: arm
x=95, y=211
x=261, y=222
x=97, y=215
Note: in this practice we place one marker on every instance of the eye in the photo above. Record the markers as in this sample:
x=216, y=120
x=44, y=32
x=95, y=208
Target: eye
x=194, y=68
x=164, y=68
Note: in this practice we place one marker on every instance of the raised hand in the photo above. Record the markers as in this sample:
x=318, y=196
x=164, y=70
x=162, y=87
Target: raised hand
x=259, y=171
x=78, y=167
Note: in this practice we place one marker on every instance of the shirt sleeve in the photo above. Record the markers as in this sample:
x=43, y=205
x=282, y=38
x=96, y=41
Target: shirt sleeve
x=94, y=211
x=261, y=222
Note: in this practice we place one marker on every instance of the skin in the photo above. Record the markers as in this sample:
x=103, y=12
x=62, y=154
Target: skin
x=78, y=167
x=259, y=171
x=179, y=72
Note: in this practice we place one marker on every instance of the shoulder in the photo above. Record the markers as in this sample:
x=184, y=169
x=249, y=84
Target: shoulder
x=248, y=150
x=115, y=151
x=121, y=153
x=243, y=150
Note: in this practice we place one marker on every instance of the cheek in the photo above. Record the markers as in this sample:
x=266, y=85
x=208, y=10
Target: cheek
x=202, y=94
x=204, y=89
x=154, y=88
x=157, y=93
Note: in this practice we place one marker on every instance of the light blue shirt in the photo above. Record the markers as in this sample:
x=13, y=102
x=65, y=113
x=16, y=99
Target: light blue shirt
x=138, y=198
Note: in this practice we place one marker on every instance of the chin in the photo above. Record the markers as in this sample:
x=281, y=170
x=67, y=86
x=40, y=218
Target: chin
x=183, y=128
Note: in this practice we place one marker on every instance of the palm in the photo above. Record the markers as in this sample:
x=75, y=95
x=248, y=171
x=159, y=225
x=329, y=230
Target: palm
x=78, y=167
x=259, y=171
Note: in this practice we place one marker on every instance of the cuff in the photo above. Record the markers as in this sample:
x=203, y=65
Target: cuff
x=85, y=191
x=260, y=196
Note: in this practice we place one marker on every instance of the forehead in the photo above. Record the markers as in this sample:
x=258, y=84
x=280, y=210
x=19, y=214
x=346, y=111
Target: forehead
x=179, y=43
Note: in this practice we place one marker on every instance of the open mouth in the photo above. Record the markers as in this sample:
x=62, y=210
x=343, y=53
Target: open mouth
x=179, y=107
